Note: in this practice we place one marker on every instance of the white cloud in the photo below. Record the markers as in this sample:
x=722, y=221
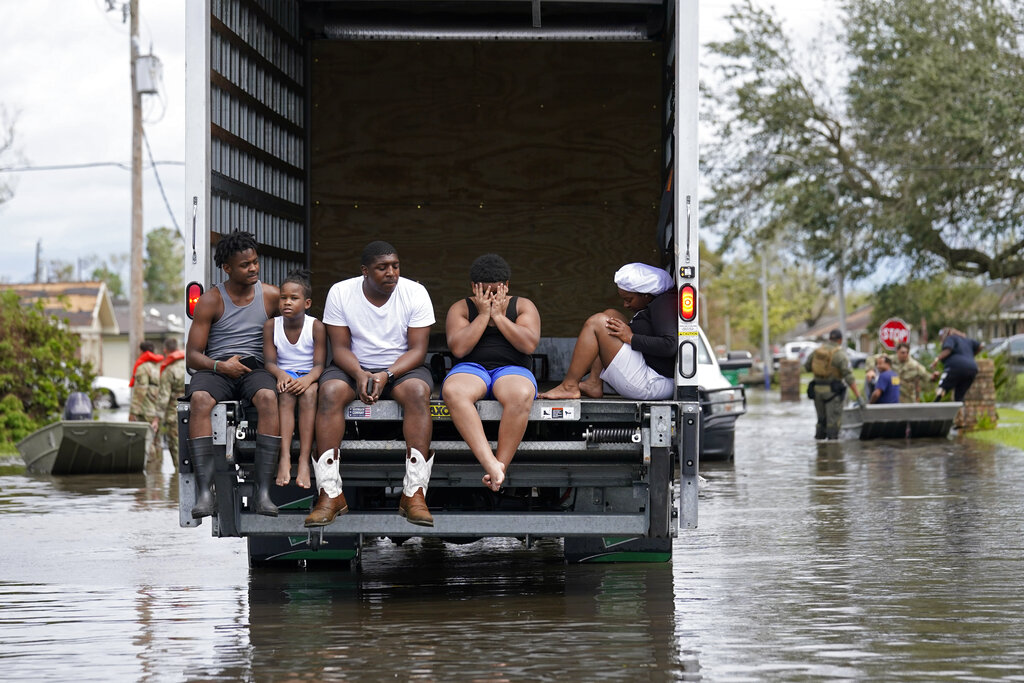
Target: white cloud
x=65, y=69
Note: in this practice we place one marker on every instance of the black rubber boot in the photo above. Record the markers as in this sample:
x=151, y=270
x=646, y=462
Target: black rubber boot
x=268, y=450
x=202, y=461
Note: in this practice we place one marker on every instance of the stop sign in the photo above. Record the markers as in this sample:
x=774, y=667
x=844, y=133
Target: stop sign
x=893, y=332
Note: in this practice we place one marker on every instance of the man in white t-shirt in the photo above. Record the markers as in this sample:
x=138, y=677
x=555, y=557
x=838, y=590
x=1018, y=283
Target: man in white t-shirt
x=379, y=325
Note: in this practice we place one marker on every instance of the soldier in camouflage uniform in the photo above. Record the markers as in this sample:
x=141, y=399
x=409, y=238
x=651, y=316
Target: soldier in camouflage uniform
x=172, y=386
x=144, y=383
x=914, y=377
x=832, y=374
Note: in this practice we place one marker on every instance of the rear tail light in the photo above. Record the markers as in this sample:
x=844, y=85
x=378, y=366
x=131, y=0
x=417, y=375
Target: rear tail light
x=688, y=303
x=193, y=291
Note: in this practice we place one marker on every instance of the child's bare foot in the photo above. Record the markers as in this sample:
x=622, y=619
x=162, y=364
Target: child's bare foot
x=302, y=476
x=563, y=390
x=284, y=470
x=592, y=388
x=495, y=476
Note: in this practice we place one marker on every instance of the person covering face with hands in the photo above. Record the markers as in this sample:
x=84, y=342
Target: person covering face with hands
x=493, y=336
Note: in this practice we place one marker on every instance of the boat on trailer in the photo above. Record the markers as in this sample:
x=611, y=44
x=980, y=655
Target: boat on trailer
x=899, y=420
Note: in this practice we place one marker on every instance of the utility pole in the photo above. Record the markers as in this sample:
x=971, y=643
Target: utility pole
x=766, y=352
x=136, y=329
x=841, y=276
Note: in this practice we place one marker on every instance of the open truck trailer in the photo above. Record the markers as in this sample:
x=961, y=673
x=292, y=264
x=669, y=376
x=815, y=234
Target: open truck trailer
x=561, y=135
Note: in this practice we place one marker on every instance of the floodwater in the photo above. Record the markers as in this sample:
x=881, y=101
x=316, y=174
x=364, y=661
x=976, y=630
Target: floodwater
x=896, y=561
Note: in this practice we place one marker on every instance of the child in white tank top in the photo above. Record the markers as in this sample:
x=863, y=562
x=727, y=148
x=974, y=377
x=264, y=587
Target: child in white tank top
x=295, y=351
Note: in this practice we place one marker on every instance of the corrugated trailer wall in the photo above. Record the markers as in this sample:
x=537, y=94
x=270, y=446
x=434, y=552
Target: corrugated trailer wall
x=257, y=112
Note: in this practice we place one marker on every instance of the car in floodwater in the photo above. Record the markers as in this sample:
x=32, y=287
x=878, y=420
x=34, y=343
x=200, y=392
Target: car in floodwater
x=722, y=403
x=1013, y=349
x=857, y=358
x=111, y=393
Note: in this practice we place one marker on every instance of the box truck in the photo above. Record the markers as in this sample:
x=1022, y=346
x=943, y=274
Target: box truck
x=561, y=135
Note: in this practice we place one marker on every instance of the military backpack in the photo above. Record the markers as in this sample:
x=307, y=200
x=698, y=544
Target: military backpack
x=821, y=362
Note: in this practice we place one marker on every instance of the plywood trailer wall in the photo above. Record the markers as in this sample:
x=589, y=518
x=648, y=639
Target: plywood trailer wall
x=546, y=153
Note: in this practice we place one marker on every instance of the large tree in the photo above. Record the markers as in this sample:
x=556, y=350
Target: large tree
x=165, y=263
x=906, y=139
x=929, y=304
x=796, y=295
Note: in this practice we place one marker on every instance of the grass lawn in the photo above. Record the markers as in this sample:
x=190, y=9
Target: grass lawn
x=1010, y=431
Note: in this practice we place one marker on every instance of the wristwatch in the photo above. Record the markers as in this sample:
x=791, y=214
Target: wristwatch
x=391, y=376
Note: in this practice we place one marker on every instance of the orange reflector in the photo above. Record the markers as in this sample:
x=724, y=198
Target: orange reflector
x=193, y=291
x=688, y=303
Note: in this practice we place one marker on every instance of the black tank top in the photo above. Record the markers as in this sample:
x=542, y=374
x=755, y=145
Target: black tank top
x=493, y=350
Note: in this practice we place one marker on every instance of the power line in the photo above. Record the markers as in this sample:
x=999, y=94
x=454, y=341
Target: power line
x=90, y=164
x=159, y=184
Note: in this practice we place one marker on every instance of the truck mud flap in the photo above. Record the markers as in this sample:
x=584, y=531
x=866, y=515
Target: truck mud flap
x=612, y=549
x=312, y=548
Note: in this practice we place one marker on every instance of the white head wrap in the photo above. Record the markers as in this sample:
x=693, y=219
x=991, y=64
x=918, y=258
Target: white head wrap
x=642, y=279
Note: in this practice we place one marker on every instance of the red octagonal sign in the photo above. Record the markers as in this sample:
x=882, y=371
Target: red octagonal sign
x=893, y=332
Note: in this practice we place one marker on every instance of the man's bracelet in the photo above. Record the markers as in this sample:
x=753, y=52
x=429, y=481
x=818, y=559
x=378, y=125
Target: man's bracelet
x=215, y=365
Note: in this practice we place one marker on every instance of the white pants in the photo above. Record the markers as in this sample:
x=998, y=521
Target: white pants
x=631, y=377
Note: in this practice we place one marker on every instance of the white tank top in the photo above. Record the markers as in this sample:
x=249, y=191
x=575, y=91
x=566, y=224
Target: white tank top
x=297, y=357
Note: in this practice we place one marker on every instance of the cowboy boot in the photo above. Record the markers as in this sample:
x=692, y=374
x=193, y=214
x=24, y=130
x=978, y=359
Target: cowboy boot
x=202, y=462
x=413, y=504
x=331, y=502
x=268, y=449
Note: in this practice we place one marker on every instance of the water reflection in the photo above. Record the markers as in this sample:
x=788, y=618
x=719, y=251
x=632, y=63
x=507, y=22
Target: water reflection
x=889, y=560
x=486, y=611
x=860, y=560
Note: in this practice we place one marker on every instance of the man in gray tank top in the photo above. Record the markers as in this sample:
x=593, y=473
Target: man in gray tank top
x=225, y=351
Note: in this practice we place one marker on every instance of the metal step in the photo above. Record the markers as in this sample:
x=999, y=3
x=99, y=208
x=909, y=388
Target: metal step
x=455, y=524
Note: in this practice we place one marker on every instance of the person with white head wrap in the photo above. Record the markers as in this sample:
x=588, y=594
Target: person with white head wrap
x=642, y=279
x=636, y=356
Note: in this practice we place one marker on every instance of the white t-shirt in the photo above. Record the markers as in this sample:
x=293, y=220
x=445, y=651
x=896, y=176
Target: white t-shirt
x=379, y=335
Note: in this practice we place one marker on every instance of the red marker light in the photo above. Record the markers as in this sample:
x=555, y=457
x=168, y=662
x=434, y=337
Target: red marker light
x=688, y=303
x=193, y=291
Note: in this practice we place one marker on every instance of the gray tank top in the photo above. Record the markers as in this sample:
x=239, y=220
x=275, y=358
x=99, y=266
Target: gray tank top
x=239, y=330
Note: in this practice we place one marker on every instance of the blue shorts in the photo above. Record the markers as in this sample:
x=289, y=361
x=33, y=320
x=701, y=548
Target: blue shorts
x=491, y=376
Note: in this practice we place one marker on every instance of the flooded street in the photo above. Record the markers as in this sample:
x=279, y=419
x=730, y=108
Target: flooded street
x=845, y=561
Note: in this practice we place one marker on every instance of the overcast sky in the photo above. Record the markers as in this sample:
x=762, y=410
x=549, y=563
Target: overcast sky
x=64, y=70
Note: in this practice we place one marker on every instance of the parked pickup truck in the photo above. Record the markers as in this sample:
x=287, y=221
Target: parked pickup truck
x=560, y=135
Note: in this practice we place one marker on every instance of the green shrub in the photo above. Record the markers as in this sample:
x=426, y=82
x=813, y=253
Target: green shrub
x=39, y=366
x=984, y=423
x=15, y=425
x=1007, y=382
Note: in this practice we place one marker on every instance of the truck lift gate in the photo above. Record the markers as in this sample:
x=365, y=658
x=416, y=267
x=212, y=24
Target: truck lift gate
x=587, y=469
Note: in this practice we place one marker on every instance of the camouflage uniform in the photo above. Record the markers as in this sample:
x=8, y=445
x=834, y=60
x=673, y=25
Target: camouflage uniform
x=172, y=385
x=830, y=391
x=144, y=392
x=913, y=379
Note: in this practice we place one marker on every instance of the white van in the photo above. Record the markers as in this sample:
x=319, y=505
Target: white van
x=721, y=402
